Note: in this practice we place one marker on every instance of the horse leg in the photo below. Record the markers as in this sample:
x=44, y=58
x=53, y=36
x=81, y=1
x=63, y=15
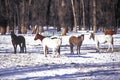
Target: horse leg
x=71, y=48
x=110, y=46
x=44, y=50
x=79, y=48
x=97, y=46
x=59, y=50
x=25, y=48
x=47, y=50
x=54, y=52
x=15, y=47
x=20, y=48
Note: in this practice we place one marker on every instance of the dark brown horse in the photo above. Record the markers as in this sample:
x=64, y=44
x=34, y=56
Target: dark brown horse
x=76, y=41
x=18, y=40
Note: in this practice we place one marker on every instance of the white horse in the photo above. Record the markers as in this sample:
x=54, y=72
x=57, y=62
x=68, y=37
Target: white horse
x=102, y=39
x=53, y=43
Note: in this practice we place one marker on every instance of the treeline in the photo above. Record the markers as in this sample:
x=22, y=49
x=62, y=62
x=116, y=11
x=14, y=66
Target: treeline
x=68, y=14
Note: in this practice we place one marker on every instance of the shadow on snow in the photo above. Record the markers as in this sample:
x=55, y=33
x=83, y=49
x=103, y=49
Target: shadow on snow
x=112, y=70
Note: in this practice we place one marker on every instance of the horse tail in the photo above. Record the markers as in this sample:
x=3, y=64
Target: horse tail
x=59, y=50
x=24, y=45
x=112, y=41
x=60, y=42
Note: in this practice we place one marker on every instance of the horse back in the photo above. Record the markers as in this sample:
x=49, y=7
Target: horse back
x=21, y=39
x=103, y=38
x=51, y=42
x=74, y=40
x=109, y=32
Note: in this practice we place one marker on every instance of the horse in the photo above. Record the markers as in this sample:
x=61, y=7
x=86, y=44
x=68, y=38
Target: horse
x=109, y=32
x=102, y=39
x=47, y=42
x=76, y=41
x=18, y=40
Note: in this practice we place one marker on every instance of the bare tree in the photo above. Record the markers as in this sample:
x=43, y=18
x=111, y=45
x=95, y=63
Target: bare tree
x=75, y=21
x=60, y=13
x=83, y=7
x=94, y=16
x=61, y=17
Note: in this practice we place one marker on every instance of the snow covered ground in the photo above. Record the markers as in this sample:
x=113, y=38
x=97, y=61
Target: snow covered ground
x=89, y=65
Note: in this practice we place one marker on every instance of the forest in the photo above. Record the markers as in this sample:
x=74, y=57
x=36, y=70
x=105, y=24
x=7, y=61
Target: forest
x=70, y=15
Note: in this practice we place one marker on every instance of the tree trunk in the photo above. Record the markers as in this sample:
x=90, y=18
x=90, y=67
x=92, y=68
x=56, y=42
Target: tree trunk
x=8, y=29
x=41, y=29
x=34, y=29
x=63, y=30
x=75, y=21
x=61, y=18
x=94, y=16
x=23, y=27
x=2, y=30
x=82, y=2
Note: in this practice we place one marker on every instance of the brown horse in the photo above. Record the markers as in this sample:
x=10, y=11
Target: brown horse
x=76, y=41
x=109, y=32
x=49, y=43
x=18, y=40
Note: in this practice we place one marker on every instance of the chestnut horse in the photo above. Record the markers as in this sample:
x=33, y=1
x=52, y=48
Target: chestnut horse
x=18, y=40
x=49, y=43
x=76, y=41
x=102, y=39
x=109, y=32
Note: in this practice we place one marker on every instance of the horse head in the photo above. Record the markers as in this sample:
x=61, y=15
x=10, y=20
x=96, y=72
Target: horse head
x=13, y=34
x=38, y=36
x=81, y=37
x=92, y=35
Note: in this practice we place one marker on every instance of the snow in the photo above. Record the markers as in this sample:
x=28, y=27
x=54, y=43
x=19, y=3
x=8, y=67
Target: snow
x=89, y=65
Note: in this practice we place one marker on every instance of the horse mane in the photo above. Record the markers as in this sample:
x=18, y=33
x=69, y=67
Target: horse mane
x=81, y=36
x=41, y=37
x=13, y=34
x=92, y=35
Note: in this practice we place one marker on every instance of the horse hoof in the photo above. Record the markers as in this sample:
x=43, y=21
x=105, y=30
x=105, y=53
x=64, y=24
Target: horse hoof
x=97, y=51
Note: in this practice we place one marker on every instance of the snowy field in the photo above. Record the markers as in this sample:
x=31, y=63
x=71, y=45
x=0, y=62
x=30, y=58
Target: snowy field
x=89, y=65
